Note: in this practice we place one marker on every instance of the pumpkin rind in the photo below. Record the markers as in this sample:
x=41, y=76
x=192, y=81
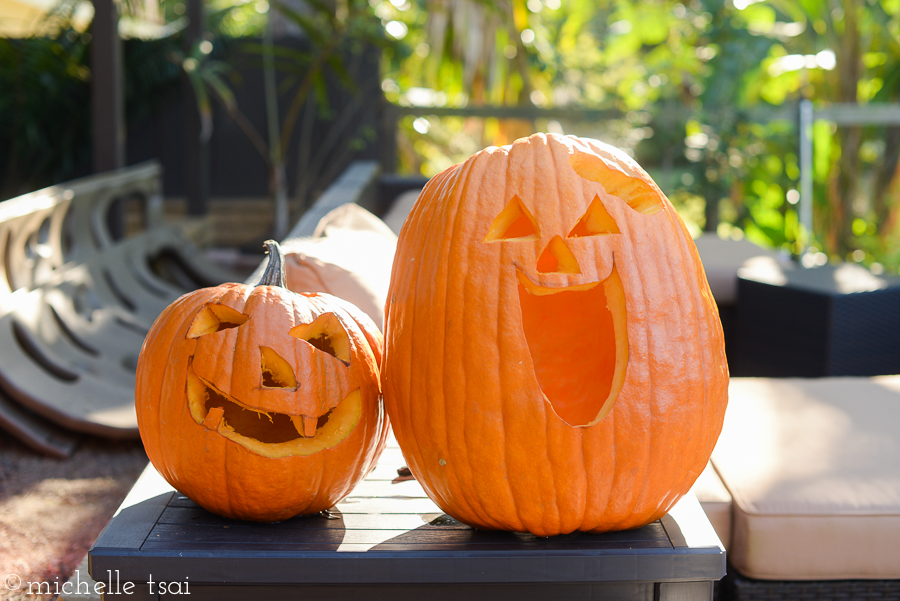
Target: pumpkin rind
x=222, y=470
x=459, y=378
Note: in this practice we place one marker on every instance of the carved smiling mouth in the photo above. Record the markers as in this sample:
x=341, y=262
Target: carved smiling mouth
x=270, y=434
x=578, y=343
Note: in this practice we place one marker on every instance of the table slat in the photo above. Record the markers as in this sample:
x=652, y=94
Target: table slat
x=460, y=539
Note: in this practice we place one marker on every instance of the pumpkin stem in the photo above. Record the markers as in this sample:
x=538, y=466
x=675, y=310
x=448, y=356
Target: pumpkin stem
x=274, y=273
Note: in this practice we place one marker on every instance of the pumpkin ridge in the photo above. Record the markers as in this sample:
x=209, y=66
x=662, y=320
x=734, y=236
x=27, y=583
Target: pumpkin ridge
x=459, y=469
x=690, y=299
x=170, y=327
x=555, y=514
x=405, y=422
x=637, y=276
x=447, y=457
x=649, y=318
x=652, y=273
x=504, y=444
x=474, y=505
x=658, y=447
x=520, y=519
x=456, y=451
x=512, y=184
x=702, y=296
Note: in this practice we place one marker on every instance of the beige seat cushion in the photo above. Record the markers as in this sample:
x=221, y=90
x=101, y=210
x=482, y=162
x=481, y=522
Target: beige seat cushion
x=723, y=258
x=350, y=256
x=813, y=467
x=716, y=502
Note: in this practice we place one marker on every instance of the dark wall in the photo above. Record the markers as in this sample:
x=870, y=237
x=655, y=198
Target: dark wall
x=236, y=168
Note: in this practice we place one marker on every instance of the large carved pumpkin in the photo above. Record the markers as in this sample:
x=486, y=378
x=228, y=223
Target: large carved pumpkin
x=554, y=359
x=259, y=403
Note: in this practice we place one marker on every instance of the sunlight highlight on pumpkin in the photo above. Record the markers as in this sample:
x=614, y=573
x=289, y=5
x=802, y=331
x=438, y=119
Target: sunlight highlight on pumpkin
x=214, y=318
x=633, y=190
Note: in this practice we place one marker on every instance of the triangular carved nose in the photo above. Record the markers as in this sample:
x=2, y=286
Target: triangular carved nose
x=557, y=258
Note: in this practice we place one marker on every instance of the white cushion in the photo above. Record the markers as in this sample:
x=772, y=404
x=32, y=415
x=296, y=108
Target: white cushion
x=350, y=256
x=723, y=258
x=716, y=502
x=813, y=467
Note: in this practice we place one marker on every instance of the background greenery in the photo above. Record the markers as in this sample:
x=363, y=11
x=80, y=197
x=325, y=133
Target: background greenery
x=707, y=92
x=702, y=92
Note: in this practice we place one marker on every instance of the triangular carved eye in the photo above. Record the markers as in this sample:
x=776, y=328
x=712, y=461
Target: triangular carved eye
x=514, y=222
x=214, y=318
x=595, y=221
x=326, y=334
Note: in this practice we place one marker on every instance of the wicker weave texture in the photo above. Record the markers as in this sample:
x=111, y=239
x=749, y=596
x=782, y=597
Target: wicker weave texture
x=743, y=589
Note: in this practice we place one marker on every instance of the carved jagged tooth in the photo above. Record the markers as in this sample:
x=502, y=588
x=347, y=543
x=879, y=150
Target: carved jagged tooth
x=214, y=418
x=305, y=426
x=309, y=426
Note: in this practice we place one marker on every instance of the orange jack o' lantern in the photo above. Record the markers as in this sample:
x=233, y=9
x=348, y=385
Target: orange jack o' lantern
x=553, y=356
x=259, y=403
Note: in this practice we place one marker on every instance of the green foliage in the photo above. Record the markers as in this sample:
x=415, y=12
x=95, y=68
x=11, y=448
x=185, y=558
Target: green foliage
x=45, y=80
x=705, y=92
x=330, y=34
x=45, y=121
x=237, y=19
x=708, y=93
x=43, y=89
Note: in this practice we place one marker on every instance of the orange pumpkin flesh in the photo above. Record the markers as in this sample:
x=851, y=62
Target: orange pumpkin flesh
x=553, y=356
x=554, y=321
x=259, y=403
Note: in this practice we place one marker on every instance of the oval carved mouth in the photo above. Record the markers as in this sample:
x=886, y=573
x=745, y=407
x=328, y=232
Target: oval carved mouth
x=270, y=434
x=578, y=343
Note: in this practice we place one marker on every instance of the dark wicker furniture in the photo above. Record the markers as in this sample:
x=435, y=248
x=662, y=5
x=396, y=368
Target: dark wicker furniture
x=737, y=588
x=824, y=321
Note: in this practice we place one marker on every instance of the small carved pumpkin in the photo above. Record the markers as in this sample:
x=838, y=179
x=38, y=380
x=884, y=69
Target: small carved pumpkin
x=259, y=403
x=554, y=359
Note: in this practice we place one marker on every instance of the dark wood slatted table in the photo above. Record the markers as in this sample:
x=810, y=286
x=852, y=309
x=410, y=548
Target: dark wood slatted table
x=387, y=540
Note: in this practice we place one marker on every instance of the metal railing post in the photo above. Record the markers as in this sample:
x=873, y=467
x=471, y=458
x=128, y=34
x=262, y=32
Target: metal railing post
x=807, y=116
